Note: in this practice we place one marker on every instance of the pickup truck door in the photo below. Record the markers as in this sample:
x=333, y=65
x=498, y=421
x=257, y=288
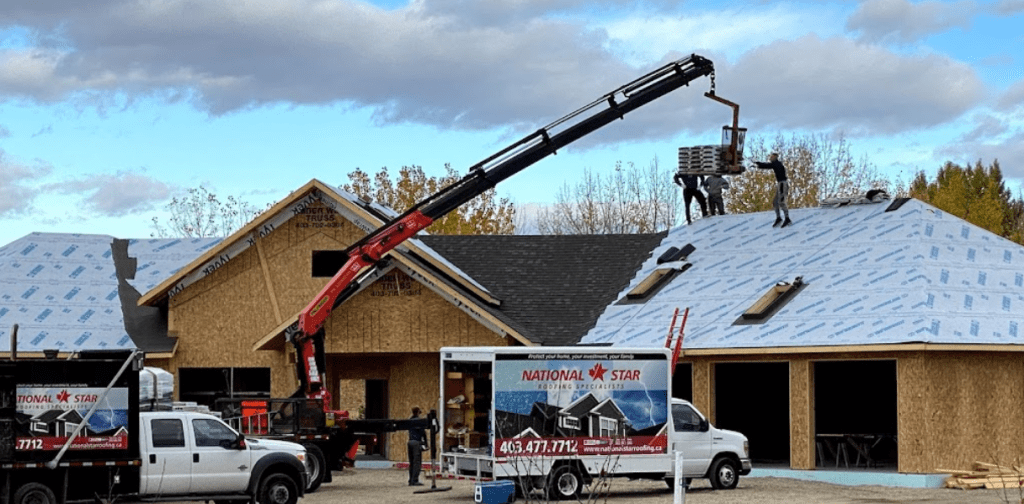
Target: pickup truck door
x=167, y=466
x=217, y=466
x=688, y=437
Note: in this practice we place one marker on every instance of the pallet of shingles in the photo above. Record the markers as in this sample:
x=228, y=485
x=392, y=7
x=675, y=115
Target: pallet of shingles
x=985, y=475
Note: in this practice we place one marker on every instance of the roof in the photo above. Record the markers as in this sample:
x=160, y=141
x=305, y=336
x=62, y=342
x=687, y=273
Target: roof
x=552, y=286
x=872, y=277
x=62, y=289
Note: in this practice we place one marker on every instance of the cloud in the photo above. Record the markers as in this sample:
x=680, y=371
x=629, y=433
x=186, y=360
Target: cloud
x=1008, y=7
x=993, y=137
x=18, y=186
x=4, y=132
x=839, y=84
x=904, y=22
x=116, y=195
x=1013, y=97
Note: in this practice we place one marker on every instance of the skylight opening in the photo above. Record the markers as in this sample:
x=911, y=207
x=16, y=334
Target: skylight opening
x=777, y=296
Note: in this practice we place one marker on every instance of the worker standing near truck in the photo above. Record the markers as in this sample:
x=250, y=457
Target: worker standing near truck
x=417, y=440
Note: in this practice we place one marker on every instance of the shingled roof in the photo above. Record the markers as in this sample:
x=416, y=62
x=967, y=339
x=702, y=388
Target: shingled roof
x=554, y=287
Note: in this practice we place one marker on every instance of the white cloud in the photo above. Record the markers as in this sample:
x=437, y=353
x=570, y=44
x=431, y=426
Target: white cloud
x=116, y=195
x=1013, y=97
x=18, y=186
x=901, y=21
x=836, y=83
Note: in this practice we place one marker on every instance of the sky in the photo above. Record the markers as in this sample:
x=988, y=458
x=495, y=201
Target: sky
x=110, y=108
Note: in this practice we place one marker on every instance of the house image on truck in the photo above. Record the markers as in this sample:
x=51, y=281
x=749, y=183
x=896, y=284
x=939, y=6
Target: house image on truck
x=586, y=416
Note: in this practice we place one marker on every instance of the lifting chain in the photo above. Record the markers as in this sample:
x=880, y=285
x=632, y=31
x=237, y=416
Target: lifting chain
x=712, y=81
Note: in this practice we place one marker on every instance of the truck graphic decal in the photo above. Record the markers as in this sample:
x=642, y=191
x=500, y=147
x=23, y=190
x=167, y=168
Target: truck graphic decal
x=580, y=404
x=47, y=416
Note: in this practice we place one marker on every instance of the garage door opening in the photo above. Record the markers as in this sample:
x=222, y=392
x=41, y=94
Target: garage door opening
x=753, y=398
x=855, y=414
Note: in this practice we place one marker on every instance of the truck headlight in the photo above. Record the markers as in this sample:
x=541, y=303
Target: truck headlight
x=746, y=448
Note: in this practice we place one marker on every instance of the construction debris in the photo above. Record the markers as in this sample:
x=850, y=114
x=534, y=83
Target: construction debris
x=985, y=475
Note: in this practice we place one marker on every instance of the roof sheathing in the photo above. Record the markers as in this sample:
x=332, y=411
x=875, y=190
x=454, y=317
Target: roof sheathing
x=914, y=275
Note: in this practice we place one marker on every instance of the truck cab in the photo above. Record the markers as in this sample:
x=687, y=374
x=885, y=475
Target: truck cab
x=192, y=454
x=720, y=455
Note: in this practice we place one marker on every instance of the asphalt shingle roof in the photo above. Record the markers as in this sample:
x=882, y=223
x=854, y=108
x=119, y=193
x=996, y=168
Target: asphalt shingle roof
x=554, y=287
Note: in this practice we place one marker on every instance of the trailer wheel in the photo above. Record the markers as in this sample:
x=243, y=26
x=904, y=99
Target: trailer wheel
x=565, y=483
x=34, y=493
x=316, y=467
x=724, y=474
x=278, y=488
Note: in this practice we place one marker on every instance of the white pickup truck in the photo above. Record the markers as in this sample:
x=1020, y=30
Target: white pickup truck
x=71, y=430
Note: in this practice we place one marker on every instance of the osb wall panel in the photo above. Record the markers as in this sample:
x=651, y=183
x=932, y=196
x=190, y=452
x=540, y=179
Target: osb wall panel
x=959, y=407
x=703, y=387
x=413, y=380
x=351, y=394
x=218, y=318
x=420, y=321
x=801, y=414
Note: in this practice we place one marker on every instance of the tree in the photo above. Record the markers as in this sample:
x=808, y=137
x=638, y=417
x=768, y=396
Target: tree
x=630, y=200
x=976, y=194
x=202, y=214
x=484, y=214
x=818, y=167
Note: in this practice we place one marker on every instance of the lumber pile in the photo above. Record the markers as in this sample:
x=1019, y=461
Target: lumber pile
x=985, y=475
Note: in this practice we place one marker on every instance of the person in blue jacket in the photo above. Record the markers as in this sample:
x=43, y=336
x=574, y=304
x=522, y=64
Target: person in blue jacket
x=781, y=191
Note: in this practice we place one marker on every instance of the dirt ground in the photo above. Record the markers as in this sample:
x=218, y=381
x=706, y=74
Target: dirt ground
x=388, y=486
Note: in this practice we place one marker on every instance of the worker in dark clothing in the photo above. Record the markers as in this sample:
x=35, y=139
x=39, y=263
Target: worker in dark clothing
x=781, y=191
x=691, y=189
x=417, y=440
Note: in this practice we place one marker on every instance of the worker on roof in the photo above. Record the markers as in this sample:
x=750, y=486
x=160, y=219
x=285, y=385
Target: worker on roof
x=781, y=191
x=691, y=189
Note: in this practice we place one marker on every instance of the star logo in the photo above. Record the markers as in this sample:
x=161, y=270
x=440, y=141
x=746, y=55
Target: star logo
x=63, y=396
x=597, y=372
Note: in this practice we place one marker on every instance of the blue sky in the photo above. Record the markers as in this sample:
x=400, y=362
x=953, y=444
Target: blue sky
x=109, y=108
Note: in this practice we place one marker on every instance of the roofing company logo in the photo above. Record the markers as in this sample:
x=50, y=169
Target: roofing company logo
x=597, y=372
x=63, y=396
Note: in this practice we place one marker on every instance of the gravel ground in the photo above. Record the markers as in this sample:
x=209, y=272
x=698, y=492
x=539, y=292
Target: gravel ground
x=388, y=486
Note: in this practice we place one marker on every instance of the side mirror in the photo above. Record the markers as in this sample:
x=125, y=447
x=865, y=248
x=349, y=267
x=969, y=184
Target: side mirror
x=238, y=443
x=704, y=425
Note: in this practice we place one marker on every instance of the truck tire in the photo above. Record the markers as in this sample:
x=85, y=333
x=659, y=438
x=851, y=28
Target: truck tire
x=724, y=474
x=564, y=483
x=316, y=467
x=278, y=488
x=34, y=493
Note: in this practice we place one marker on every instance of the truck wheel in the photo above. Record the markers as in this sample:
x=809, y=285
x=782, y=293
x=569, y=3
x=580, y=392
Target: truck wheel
x=278, y=488
x=34, y=493
x=565, y=483
x=724, y=474
x=316, y=467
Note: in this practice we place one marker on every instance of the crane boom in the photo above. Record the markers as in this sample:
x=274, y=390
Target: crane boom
x=366, y=255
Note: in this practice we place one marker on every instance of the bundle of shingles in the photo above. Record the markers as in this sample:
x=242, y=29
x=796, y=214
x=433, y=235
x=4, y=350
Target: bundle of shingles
x=985, y=475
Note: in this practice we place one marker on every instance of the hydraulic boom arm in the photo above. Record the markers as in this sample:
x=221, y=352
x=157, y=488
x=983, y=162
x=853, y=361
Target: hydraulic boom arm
x=366, y=254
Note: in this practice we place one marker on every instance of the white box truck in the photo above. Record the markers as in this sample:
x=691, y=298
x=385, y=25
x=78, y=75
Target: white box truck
x=559, y=418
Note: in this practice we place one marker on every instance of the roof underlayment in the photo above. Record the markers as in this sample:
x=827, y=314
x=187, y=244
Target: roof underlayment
x=911, y=275
x=62, y=289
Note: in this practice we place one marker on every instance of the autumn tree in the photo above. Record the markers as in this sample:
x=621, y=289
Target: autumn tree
x=976, y=194
x=817, y=166
x=200, y=214
x=484, y=214
x=630, y=199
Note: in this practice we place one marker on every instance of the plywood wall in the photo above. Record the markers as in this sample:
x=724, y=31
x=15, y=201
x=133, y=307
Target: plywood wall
x=959, y=407
x=801, y=414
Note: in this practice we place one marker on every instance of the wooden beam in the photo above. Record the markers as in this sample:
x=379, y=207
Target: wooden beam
x=266, y=276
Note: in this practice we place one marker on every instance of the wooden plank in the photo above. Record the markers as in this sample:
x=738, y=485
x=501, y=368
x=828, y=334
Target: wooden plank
x=266, y=276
